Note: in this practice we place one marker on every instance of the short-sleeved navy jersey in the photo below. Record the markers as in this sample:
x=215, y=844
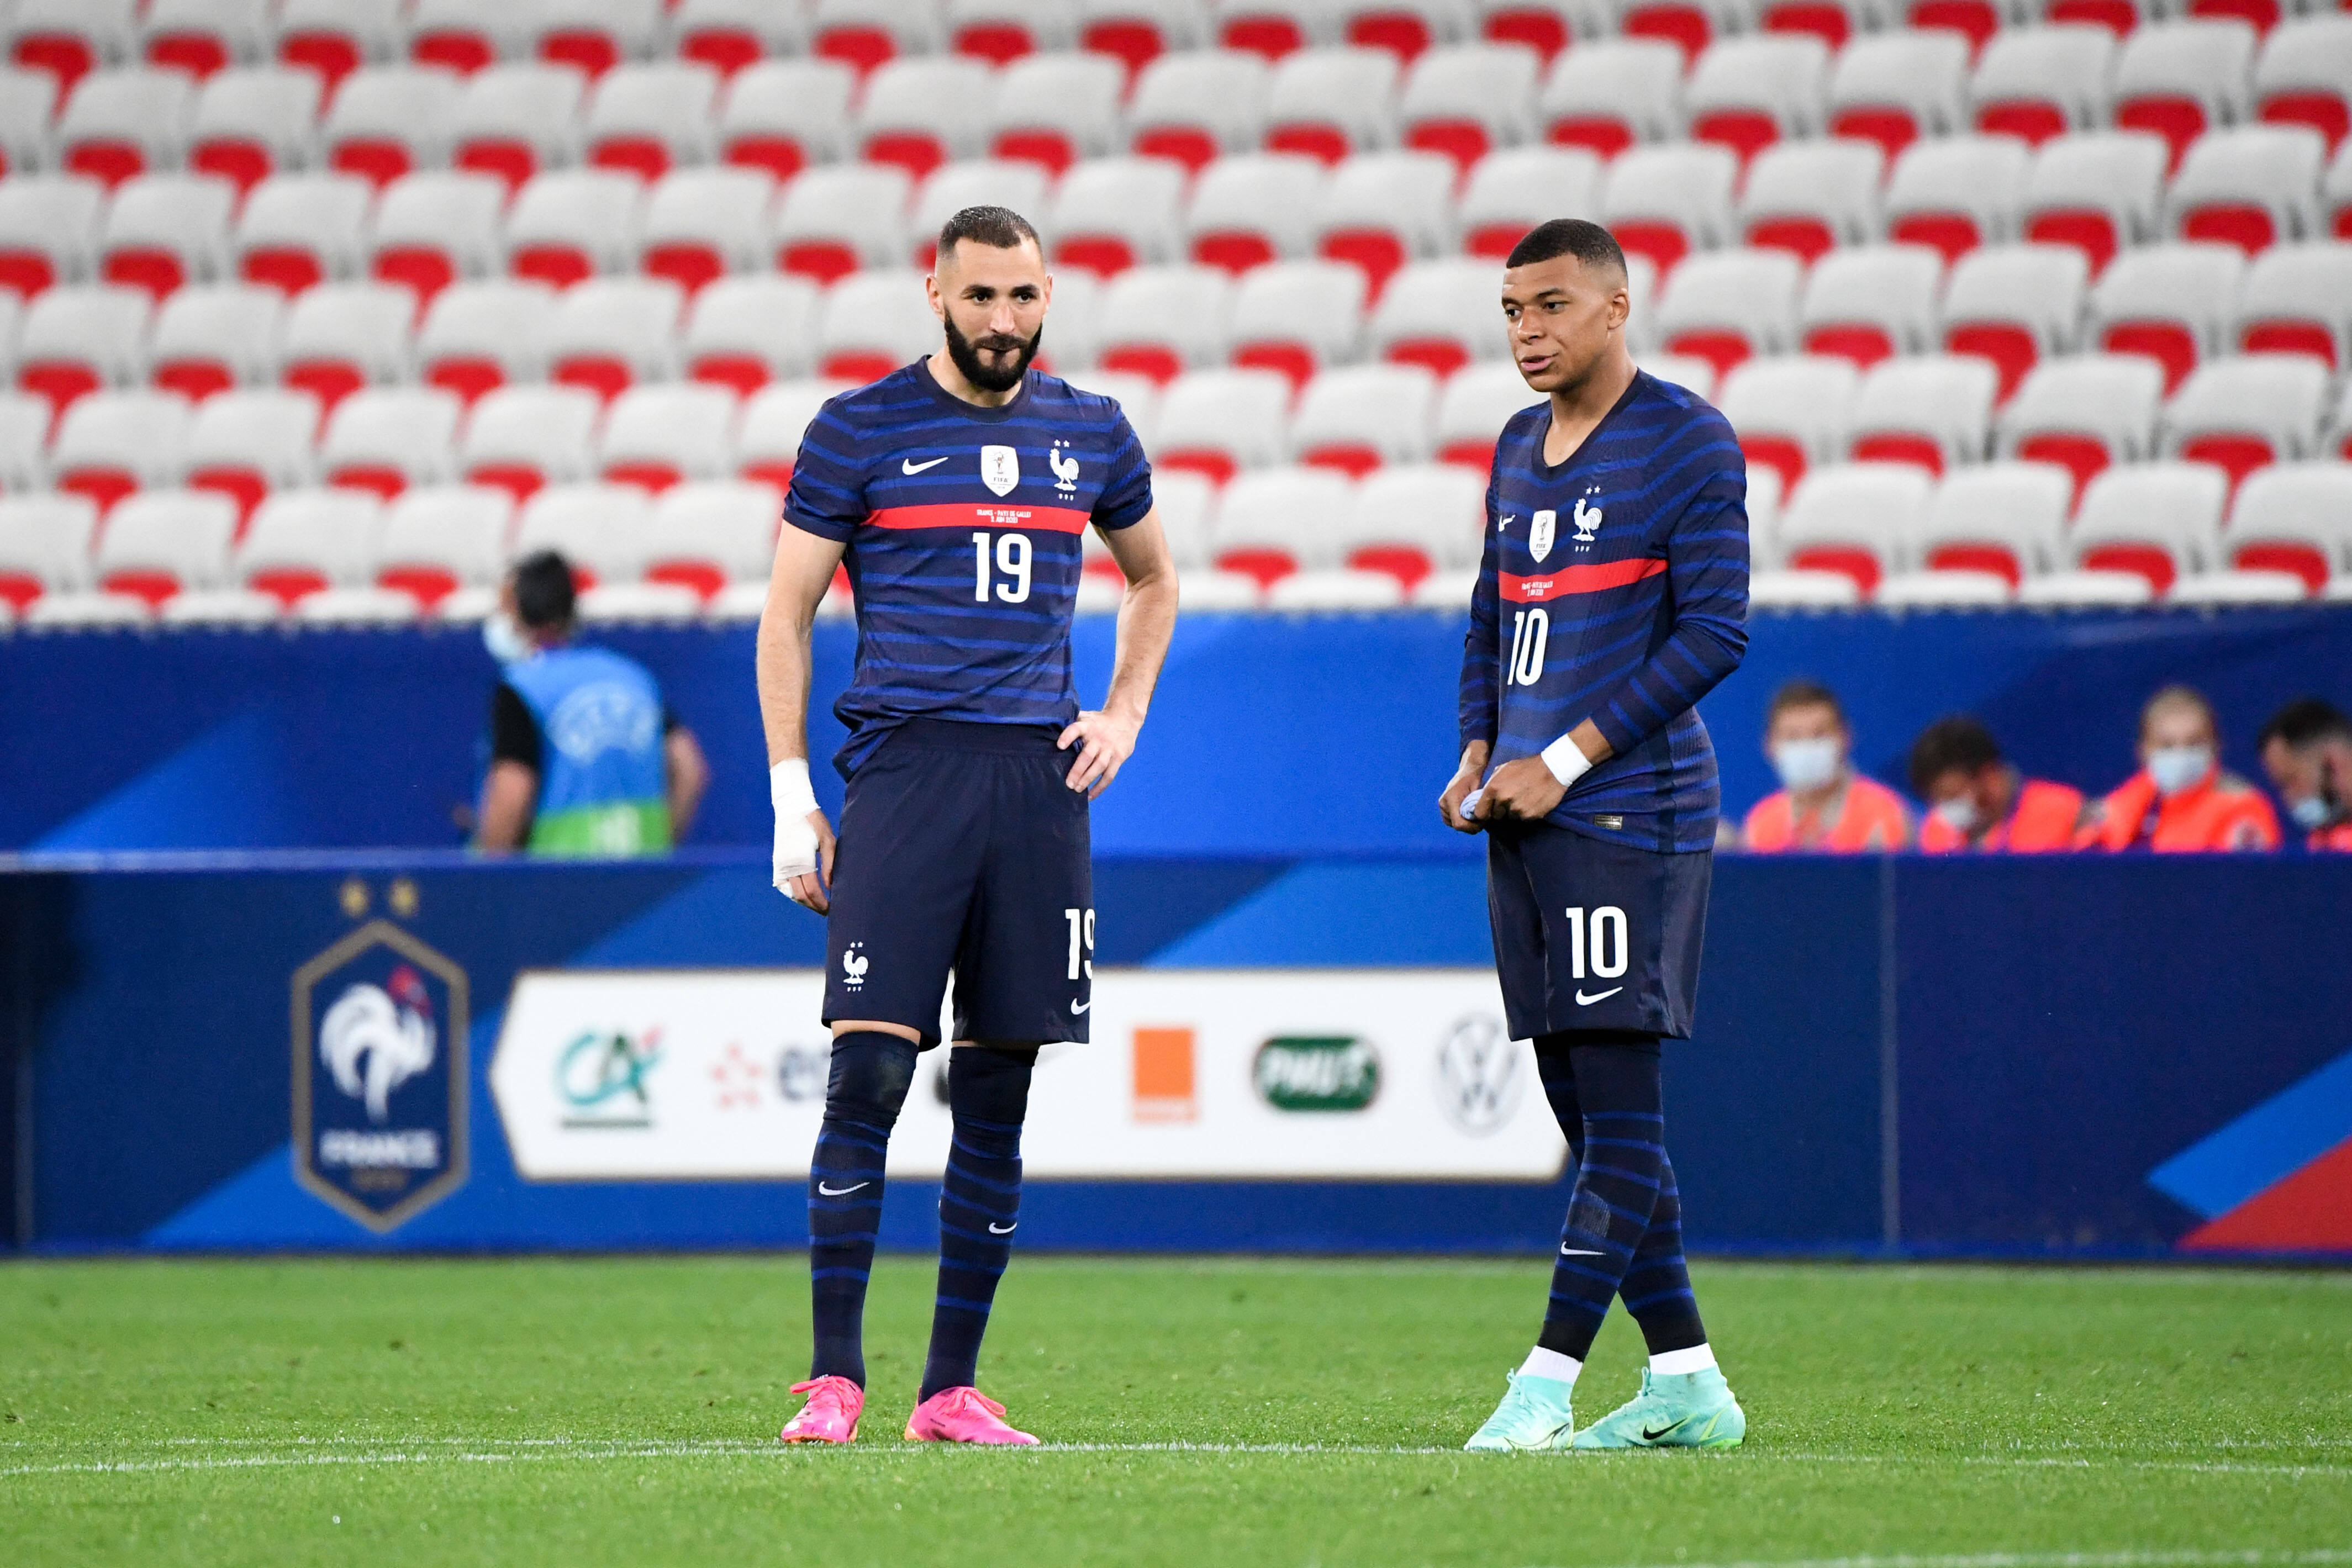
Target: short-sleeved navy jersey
x=963, y=526
x=1615, y=588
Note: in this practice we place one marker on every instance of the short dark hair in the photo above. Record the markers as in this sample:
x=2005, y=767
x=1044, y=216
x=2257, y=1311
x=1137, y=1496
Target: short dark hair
x=1587, y=242
x=2178, y=695
x=1000, y=228
x=2307, y=721
x=545, y=596
x=1804, y=693
x=1955, y=743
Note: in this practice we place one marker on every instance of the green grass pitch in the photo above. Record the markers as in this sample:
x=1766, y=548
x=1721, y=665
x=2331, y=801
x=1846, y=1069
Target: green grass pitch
x=1199, y=1412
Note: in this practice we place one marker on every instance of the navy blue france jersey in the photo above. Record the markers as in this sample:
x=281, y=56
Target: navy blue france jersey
x=1615, y=588
x=963, y=526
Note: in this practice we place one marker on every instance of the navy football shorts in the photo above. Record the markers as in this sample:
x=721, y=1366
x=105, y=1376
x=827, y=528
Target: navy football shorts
x=1592, y=934
x=964, y=848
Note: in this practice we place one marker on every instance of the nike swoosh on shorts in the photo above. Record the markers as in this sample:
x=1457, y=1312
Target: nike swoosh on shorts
x=1584, y=1001
x=1079, y=1007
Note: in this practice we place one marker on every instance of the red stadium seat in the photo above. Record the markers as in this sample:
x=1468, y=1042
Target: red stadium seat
x=332, y=38
x=2178, y=80
x=1607, y=96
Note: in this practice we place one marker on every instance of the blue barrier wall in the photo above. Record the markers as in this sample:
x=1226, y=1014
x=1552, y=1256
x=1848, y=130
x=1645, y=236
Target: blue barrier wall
x=1270, y=736
x=2067, y=1057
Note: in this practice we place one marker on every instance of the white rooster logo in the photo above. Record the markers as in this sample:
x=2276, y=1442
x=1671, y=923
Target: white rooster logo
x=1066, y=470
x=852, y=965
x=390, y=1030
x=1587, y=520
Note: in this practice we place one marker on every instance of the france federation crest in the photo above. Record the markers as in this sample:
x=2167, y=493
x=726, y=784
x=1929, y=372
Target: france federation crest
x=1000, y=468
x=380, y=1027
x=1541, y=529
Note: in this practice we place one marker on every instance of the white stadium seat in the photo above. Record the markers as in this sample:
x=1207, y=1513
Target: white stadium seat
x=386, y=121
x=339, y=337
x=112, y=444
x=1477, y=403
x=1959, y=193
x=1730, y=305
x=571, y=225
x=1663, y=202
x=1898, y=89
x=476, y=336
x=75, y=341
x=207, y=340
x=596, y=35
x=298, y=231
x=2016, y=306
x=2170, y=302
x=386, y=439
x=1220, y=423
x=1111, y=213
x=1444, y=314
x=773, y=421
x=2035, y=83
x=1359, y=418
x=744, y=332
x=1809, y=197
x=1325, y=104
x=2007, y=519
x=2294, y=516
x=1053, y=109
x=165, y=542
x=1276, y=521
x=1869, y=303
x=1160, y=321
x=521, y=438
x=1010, y=182
x=658, y=436
x=2162, y=520
x=1607, y=96
x=1383, y=209
x=1299, y=317
x=1470, y=100
x=610, y=333
x=1747, y=93
x=2245, y=412
x=785, y=115
x=920, y=114
x=440, y=539
x=2099, y=191
x=700, y=225
x=1252, y=208
x=1790, y=414
x=871, y=324
x=705, y=535
x=1511, y=191
x=45, y=546
x=336, y=37
x=1413, y=520
x=304, y=541
x=125, y=121
x=832, y=221
x=2298, y=300
x=1858, y=519
x=513, y=121
x=602, y=530
x=48, y=230
x=163, y=231
x=648, y=119
x=1189, y=108
x=247, y=444
x=437, y=228
x=255, y=121
x=2179, y=78
x=2084, y=413
x=1933, y=410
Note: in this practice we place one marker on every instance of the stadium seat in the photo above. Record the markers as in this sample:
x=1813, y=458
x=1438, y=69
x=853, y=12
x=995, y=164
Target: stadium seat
x=2304, y=75
x=1382, y=209
x=920, y=114
x=1413, y=520
x=832, y=221
x=602, y=530
x=1764, y=496
x=1274, y=29
x=333, y=38
x=1276, y=521
x=1358, y=418
x=743, y=332
x=1959, y=193
x=609, y=333
x=70, y=39
x=1607, y=96
x=1898, y=89
x=1808, y=197
x=297, y=231
x=1687, y=370
x=1665, y=203
x=390, y=121
x=1136, y=32
x=1834, y=22
x=161, y=543
x=866, y=34
x=1747, y=93
x=975, y=181
x=464, y=36
x=1297, y=318
x=2253, y=186
x=770, y=437
x=1408, y=29
x=2016, y=304
x=519, y=439
x=76, y=340
x=2162, y=520
x=1137, y=398
x=436, y=229
x=121, y=122
x=1791, y=413
x=1160, y=321
x=658, y=436
x=595, y=35
x=1470, y=100
x=1325, y=104
x=2179, y=79
x=1689, y=25
x=2336, y=194
x=1111, y=213
x=700, y=225
x=207, y=340
x=648, y=120
x=2099, y=191
x=24, y=442
x=573, y=225
x=110, y=444
x=1443, y=315
x=248, y=443
x=2247, y=412
x=2297, y=299
x=1219, y=422
x=729, y=35
x=2339, y=425
x=1000, y=32
x=2294, y=516
x=1546, y=26
x=2170, y=302
x=384, y=439
x=1054, y=109
x=480, y=335
x=1252, y=209
x=706, y=534
x=871, y=324
x=1732, y=303
x=48, y=231
x=339, y=337
x=45, y=547
x=2085, y=413
x=1334, y=589
x=1857, y=518
x=1931, y=410
x=302, y=542
x=252, y=121
x=2009, y=518
x=513, y=121
x=1191, y=107
x=28, y=101
x=1510, y=192
x=163, y=231
x=205, y=37
x=2036, y=83
x=1870, y=302
x=439, y=538
x=784, y=116
x=1472, y=409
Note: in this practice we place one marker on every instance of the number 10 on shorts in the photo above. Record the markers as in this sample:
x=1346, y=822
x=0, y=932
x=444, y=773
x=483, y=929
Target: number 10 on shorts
x=1608, y=932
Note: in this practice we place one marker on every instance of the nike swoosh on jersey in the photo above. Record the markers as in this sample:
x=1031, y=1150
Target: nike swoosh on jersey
x=839, y=1191
x=909, y=465
x=1584, y=1001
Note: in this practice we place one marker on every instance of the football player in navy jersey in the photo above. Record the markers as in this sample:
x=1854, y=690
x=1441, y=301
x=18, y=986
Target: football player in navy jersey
x=1612, y=595
x=957, y=491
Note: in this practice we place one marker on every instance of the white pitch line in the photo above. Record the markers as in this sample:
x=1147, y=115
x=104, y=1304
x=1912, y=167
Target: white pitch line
x=2241, y=1559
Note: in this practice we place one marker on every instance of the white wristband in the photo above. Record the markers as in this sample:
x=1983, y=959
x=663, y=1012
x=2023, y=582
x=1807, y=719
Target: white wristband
x=1567, y=760
x=796, y=846
x=788, y=787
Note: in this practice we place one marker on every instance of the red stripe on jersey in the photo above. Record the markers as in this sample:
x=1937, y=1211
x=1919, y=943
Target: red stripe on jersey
x=970, y=514
x=1577, y=580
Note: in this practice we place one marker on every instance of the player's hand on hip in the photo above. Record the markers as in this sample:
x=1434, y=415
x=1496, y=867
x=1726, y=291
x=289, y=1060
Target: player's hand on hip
x=1105, y=742
x=1521, y=790
x=803, y=864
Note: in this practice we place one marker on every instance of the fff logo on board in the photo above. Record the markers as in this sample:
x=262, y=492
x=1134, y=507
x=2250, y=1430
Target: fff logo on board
x=380, y=1076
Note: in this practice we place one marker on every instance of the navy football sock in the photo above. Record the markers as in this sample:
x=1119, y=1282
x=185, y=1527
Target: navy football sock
x=1604, y=1090
x=980, y=1199
x=1657, y=1289
x=868, y=1084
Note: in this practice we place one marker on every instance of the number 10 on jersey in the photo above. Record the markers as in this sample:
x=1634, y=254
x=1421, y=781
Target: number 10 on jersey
x=1012, y=560
x=1530, y=630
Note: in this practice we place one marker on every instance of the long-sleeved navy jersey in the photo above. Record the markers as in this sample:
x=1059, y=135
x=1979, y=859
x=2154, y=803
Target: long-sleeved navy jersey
x=1615, y=588
x=963, y=526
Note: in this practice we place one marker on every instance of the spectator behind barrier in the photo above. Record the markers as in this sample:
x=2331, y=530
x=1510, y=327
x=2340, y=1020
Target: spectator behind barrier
x=1823, y=804
x=1976, y=800
x=2180, y=799
x=2307, y=751
x=585, y=759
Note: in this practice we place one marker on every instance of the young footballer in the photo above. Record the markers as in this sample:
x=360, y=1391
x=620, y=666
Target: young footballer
x=1614, y=595
x=956, y=490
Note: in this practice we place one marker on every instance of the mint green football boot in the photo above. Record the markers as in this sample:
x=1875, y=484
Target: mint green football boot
x=1693, y=1410
x=1533, y=1417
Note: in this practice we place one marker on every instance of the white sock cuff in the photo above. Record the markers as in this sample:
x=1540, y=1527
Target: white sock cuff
x=1550, y=1364
x=1680, y=1363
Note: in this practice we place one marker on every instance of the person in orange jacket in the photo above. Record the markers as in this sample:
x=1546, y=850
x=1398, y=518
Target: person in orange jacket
x=2181, y=801
x=1823, y=804
x=2307, y=751
x=1976, y=800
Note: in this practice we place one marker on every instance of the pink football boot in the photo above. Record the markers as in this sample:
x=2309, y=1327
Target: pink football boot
x=831, y=1413
x=963, y=1416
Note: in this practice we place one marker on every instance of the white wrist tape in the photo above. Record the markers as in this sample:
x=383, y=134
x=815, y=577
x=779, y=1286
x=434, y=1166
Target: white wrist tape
x=1567, y=760
x=788, y=789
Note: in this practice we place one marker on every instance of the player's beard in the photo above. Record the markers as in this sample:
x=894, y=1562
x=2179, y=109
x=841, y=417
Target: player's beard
x=1006, y=373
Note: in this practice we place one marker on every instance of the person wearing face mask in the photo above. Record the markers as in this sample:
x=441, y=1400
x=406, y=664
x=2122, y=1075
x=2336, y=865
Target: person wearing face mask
x=1822, y=803
x=1976, y=800
x=2307, y=751
x=585, y=759
x=2181, y=800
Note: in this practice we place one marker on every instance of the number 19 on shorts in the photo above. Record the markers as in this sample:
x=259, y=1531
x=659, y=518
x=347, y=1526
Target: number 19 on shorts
x=1607, y=933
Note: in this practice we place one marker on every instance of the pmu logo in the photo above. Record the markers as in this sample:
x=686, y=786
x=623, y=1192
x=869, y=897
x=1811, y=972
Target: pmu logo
x=380, y=1076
